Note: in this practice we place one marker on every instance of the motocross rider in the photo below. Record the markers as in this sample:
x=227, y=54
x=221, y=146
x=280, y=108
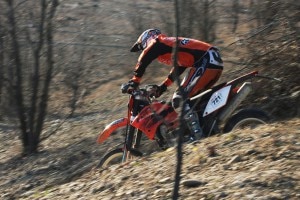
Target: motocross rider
x=203, y=59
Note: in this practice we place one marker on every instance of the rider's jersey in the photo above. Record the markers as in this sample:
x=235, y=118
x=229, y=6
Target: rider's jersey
x=189, y=52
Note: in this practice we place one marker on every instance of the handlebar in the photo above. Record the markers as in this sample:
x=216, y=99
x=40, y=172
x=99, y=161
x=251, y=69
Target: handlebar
x=148, y=91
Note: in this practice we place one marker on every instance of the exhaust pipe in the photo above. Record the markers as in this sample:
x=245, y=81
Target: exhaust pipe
x=242, y=93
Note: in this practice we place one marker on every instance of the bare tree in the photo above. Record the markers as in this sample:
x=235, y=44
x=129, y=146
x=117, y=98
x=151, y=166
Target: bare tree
x=198, y=19
x=31, y=102
x=208, y=20
x=187, y=16
x=1, y=63
x=277, y=31
x=137, y=18
x=235, y=14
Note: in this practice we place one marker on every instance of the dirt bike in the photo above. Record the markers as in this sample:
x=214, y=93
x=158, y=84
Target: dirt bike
x=216, y=108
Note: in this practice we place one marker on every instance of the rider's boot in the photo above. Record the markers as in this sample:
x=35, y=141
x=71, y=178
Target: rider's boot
x=193, y=124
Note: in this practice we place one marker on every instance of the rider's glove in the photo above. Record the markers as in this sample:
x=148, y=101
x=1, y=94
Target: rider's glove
x=128, y=87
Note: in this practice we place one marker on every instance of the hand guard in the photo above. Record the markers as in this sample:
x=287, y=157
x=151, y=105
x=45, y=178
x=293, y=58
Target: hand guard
x=128, y=87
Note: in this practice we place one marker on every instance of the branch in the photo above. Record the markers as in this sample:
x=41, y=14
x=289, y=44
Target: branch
x=259, y=30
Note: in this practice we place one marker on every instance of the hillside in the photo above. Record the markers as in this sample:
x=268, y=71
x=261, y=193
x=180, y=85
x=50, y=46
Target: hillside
x=246, y=164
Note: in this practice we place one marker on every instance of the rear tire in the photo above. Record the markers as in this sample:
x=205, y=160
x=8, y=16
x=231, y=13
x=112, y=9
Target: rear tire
x=246, y=118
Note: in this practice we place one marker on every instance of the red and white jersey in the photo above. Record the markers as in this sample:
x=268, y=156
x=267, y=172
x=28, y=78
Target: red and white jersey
x=189, y=52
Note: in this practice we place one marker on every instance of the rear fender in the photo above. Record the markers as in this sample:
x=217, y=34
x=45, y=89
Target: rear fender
x=110, y=128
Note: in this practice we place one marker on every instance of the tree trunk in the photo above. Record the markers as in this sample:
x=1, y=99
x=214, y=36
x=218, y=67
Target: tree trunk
x=31, y=109
x=1, y=66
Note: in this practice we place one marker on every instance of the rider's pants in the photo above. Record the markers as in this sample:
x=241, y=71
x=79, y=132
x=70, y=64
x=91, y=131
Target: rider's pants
x=205, y=73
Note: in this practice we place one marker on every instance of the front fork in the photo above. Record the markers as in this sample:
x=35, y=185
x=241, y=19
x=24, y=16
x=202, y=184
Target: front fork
x=133, y=137
x=132, y=143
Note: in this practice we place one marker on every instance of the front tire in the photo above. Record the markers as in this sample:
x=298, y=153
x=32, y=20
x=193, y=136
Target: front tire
x=246, y=118
x=111, y=158
x=115, y=156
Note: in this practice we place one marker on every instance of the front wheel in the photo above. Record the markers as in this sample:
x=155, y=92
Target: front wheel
x=110, y=158
x=246, y=118
x=115, y=156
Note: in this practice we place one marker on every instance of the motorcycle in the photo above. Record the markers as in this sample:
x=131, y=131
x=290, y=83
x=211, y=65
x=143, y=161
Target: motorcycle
x=158, y=120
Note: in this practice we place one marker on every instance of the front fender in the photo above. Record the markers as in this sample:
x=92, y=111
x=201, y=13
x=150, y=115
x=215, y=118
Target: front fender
x=110, y=128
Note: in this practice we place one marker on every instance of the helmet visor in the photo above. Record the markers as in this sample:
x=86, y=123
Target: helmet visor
x=136, y=47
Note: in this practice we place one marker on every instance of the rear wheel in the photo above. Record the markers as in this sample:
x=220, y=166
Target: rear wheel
x=246, y=118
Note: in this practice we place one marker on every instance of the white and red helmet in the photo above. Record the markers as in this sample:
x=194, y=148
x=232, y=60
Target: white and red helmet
x=144, y=39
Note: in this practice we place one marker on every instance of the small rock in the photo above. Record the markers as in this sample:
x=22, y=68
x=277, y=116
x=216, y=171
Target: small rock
x=238, y=183
x=98, y=189
x=124, y=178
x=130, y=192
x=221, y=195
x=192, y=183
x=255, y=168
x=28, y=193
x=7, y=196
x=252, y=152
x=28, y=186
x=165, y=180
x=270, y=172
x=120, y=193
x=158, y=191
x=275, y=195
x=295, y=94
x=261, y=157
x=250, y=196
x=266, y=135
x=235, y=159
x=248, y=139
x=226, y=167
x=212, y=151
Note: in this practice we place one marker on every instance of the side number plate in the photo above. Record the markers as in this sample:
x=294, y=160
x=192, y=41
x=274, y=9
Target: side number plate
x=217, y=100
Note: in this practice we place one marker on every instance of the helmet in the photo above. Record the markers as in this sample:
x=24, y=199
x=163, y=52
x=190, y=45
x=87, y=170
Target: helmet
x=144, y=39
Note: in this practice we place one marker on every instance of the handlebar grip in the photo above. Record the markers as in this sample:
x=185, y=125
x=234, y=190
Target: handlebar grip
x=126, y=88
